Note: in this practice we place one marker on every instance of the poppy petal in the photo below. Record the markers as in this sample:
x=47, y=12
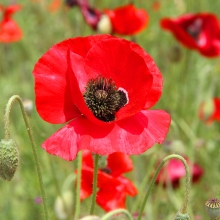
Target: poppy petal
x=104, y=58
x=140, y=131
x=111, y=198
x=53, y=97
x=128, y=20
x=156, y=89
x=130, y=188
x=119, y=163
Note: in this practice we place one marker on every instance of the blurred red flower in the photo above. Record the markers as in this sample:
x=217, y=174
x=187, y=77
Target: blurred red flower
x=104, y=85
x=210, y=110
x=54, y=5
x=124, y=20
x=112, y=186
x=127, y=19
x=9, y=30
x=196, y=31
x=156, y=6
x=174, y=170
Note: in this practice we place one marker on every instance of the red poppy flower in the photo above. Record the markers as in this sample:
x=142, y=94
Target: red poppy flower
x=104, y=86
x=124, y=20
x=210, y=110
x=113, y=187
x=128, y=20
x=9, y=30
x=196, y=31
x=174, y=170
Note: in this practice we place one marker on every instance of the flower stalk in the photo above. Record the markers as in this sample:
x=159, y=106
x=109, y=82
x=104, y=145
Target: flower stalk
x=187, y=186
x=78, y=186
x=95, y=180
x=30, y=135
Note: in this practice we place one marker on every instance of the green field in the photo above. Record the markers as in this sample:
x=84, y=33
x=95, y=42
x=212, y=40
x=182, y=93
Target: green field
x=188, y=81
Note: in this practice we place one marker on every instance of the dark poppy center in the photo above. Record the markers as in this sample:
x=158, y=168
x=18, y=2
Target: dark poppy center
x=103, y=98
x=195, y=28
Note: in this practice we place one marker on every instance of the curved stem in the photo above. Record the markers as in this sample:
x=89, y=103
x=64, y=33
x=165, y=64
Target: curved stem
x=95, y=178
x=186, y=195
x=78, y=186
x=114, y=212
x=30, y=134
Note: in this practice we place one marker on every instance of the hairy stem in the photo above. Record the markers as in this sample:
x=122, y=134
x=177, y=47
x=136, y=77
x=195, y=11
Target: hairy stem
x=186, y=195
x=95, y=178
x=34, y=148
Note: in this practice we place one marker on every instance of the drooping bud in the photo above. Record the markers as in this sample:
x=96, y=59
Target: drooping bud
x=181, y=216
x=213, y=208
x=8, y=159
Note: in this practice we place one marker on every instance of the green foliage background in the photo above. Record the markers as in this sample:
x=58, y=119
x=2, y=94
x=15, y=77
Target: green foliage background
x=187, y=82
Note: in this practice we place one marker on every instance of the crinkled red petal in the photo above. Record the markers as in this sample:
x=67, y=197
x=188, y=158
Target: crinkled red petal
x=54, y=101
x=133, y=135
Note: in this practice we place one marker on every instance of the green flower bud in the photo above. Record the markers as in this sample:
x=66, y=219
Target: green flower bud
x=8, y=159
x=180, y=216
x=213, y=208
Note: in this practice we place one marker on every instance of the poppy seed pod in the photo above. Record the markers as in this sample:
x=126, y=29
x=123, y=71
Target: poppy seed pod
x=8, y=159
x=213, y=208
x=181, y=216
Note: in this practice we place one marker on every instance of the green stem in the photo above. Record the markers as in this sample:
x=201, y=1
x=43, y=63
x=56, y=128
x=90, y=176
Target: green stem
x=186, y=195
x=114, y=212
x=57, y=186
x=95, y=178
x=34, y=148
x=78, y=186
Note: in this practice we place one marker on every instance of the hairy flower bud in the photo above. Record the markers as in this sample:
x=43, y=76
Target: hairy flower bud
x=181, y=216
x=8, y=159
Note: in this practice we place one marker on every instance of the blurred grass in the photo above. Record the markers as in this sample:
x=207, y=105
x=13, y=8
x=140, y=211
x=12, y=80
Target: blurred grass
x=187, y=83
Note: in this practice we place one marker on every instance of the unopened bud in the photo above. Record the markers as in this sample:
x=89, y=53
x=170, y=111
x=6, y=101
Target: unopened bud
x=8, y=159
x=181, y=216
x=104, y=25
x=213, y=208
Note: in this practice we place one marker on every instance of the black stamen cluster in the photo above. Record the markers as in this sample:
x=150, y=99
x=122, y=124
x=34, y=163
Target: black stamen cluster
x=103, y=98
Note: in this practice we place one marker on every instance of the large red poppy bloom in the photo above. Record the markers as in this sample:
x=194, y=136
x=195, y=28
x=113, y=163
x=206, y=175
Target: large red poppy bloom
x=9, y=30
x=210, y=111
x=127, y=19
x=113, y=187
x=196, y=31
x=103, y=86
x=174, y=170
